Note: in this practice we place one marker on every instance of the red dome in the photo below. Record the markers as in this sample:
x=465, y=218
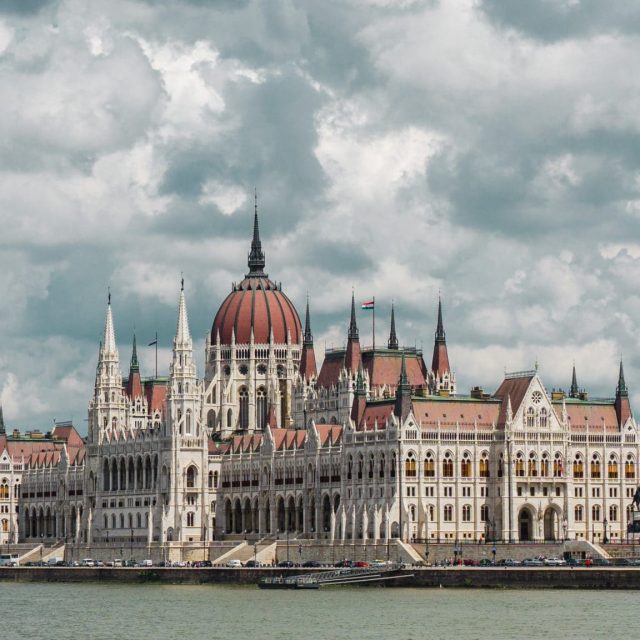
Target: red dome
x=260, y=304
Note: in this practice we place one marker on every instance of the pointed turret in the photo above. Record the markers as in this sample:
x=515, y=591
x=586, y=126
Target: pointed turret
x=359, y=398
x=352, y=357
x=308, y=357
x=574, y=391
x=183, y=336
x=134, y=383
x=393, y=338
x=403, y=393
x=109, y=338
x=256, y=255
x=135, y=365
x=442, y=378
x=3, y=429
x=623, y=407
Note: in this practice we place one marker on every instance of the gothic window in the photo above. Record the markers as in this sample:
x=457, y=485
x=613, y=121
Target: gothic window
x=210, y=485
x=190, y=518
x=244, y=408
x=410, y=466
x=484, y=465
x=261, y=408
x=466, y=513
x=543, y=418
x=484, y=513
x=557, y=466
x=381, y=466
x=578, y=467
x=215, y=479
x=530, y=417
x=629, y=468
x=211, y=420
x=465, y=466
x=519, y=465
x=227, y=370
x=578, y=513
x=447, y=466
x=533, y=465
x=612, y=468
x=613, y=513
x=595, y=466
x=448, y=513
x=544, y=466
x=429, y=466
x=4, y=490
x=138, y=520
x=192, y=477
x=595, y=513
x=229, y=418
x=500, y=465
x=188, y=421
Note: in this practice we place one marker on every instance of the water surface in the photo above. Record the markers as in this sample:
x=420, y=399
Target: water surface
x=49, y=611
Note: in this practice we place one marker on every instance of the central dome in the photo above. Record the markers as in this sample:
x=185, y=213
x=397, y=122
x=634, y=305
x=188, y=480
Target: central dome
x=256, y=303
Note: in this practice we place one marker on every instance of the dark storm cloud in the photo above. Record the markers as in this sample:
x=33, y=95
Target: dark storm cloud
x=24, y=7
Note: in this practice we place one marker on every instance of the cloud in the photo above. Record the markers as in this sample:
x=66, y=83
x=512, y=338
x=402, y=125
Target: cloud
x=482, y=150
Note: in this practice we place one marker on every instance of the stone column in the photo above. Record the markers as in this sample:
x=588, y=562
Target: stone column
x=332, y=534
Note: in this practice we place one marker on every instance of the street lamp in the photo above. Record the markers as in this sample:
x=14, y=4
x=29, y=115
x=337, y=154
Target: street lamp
x=604, y=526
x=41, y=545
x=131, y=549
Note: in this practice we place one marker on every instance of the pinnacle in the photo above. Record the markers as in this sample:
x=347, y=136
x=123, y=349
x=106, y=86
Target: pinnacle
x=308, y=336
x=109, y=337
x=256, y=255
x=183, y=336
x=353, y=327
x=393, y=338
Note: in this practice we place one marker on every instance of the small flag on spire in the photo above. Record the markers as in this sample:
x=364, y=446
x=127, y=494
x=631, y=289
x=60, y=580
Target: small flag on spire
x=369, y=305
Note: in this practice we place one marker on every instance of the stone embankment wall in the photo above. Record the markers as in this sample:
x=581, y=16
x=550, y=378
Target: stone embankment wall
x=458, y=577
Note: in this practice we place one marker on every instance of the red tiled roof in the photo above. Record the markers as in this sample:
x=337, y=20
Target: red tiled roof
x=376, y=412
x=329, y=434
x=514, y=388
x=259, y=304
x=155, y=392
x=449, y=412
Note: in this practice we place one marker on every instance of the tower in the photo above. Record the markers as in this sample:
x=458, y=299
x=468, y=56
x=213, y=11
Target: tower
x=623, y=408
x=308, y=358
x=353, y=357
x=393, y=338
x=403, y=393
x=442, y=381
x=574, y=392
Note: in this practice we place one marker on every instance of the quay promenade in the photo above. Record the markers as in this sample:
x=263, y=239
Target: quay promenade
x=429, y=577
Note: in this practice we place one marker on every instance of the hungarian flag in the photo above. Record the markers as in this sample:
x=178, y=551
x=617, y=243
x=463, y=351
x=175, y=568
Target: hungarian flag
x=369, y=305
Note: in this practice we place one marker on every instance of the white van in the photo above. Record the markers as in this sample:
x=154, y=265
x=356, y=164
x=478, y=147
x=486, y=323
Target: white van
x=146, y=563
x=9, y=559
x=234, y=564
x=54, y=561
x=88, y=562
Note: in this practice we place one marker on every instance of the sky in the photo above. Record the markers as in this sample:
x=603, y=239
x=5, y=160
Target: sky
x=487, y=150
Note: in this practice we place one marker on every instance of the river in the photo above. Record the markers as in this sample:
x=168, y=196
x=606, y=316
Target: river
x=46, y=611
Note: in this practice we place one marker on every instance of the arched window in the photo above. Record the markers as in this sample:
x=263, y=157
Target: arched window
x=612, y=468
x=381, y=474
x=188, y=422
x=578, y=467
x=192, y=476
x=138, y=520
x=484, y=465
x=448, y=513
x=530, y=417
x=215, y=479
x=191, y=516
x=447, y=466
x=629, y=468
x=122, y=520
x=410, y=466
x=557, y=466
x=229, y=418
x=543, y=418
x=413, y=513
x=533, y=465
x=595, y=466
x=211, y=420
x=466, y=513
x=578, y=513
x=595, y=513
x=210, y=485
x=244, y=408
x=465, y=466
x=613, y=513
x=429, y=466
x=520, y=465
x=261, y=408
x=544, y=466
x=484, y=513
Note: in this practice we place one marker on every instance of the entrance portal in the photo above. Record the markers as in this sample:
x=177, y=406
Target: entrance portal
x=524, y=525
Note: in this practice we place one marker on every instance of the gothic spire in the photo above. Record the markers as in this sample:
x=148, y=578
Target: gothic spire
x=440, y=337
x=109, y=337
x=404, y=381
x=621, y=389
x=353, y=327
x=256, y=255
x=573, y=392
x=393, y=338
x=308, y=336
x=135, y=365
x=183, y=336
x=403, y=393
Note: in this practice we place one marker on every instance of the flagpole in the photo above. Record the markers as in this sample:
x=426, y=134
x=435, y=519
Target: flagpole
x=374, y=323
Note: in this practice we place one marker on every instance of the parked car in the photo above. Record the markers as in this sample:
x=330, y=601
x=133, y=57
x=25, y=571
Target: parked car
x=311, y=563
x=285, y=564
x=146, y=563
x=485, y=562
x=621, y=562
x=532, y=562
x=509, y=562
x=555, y=562
x=88, y=562
x=252, y=564
x=575, y=562
x=469, y=562
x=234, y=564
x=600, y=562
x=343, y=563
x=361, y=564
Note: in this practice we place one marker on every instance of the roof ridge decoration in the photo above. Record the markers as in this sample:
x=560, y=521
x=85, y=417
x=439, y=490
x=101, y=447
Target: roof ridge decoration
x=256, y=260
x=353, y=326
x=621, y=389
x=573, y=391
